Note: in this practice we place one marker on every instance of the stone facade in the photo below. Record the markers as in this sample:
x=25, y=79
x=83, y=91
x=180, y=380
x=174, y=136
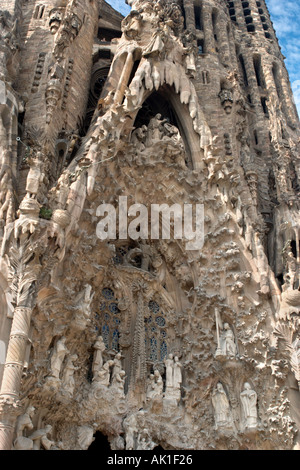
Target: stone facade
x=144, y=341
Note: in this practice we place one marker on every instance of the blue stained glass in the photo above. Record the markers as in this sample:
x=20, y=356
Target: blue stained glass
x=108, y=293
x=106, y=317
x=113, y=307
x=163, y=350
x=153, y=306
x=153, y=349
x=153, y=328
x=117, y=321
x=163, y=333
x=160, y=321
x=105, y=335
x=115, y=340
x=102, y=306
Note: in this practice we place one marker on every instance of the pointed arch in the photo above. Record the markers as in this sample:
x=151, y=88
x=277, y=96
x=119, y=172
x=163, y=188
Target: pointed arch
x=182, y=120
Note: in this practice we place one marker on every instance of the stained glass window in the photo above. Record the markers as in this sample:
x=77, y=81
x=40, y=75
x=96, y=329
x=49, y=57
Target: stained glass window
x=108, y=319
x=155, y=333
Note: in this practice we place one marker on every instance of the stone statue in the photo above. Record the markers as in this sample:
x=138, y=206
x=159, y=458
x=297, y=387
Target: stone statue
x=117, y=367
x=177, y=374
x=221, y=407
x=59, y=352
x=227, y=341
x=169, y=363
x=35, y=175
x=102, y=377
x=85, y=436
x=40, y=438
x=83, y=306
x=99, y=347
x=249, y=405
x=25, y=421
x=68, y=381
x=144, y=441
x=156, y=385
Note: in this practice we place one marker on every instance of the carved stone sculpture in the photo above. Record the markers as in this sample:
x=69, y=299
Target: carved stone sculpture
x=249, y=405
x=222, y=412
x=58, y=355
x=99, y=348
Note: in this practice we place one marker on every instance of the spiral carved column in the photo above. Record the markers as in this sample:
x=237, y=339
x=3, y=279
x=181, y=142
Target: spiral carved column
x=12, y=375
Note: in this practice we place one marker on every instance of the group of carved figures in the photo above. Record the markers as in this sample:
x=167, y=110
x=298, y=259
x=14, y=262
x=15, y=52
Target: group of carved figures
x=27, y=439
x=173, y=381
x=159, y=130
x=222, y=410
x=109, y=373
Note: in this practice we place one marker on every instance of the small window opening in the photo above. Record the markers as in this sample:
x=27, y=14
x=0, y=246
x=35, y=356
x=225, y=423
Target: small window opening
x=198, y=17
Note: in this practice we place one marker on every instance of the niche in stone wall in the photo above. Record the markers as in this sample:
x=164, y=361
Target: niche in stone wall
x=164, y=103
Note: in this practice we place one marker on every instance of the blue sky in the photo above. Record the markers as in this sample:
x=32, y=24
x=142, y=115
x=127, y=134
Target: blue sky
x=286, y=19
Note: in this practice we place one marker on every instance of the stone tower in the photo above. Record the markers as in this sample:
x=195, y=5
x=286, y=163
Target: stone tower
x=134, y=334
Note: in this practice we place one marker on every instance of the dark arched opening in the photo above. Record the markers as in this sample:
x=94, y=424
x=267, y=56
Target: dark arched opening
x=100, y=443
x=165, y=102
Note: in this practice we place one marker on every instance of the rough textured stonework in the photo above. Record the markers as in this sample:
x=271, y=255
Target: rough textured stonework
x=144, y=341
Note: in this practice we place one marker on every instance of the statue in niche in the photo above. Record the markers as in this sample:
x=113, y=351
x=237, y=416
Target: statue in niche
x=177, y=374
x=155, y=130
x=225, y=339
x=249, y=404
x=221, y=407
x=99, y=348
x=59, y=353
x=290, y=267
x=68, y=381
x=173, y=378
x=35, y=175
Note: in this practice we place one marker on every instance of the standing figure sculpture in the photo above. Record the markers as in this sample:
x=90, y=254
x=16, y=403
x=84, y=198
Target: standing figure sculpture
x=58, y=356
x=221, y=407
x=249, y=405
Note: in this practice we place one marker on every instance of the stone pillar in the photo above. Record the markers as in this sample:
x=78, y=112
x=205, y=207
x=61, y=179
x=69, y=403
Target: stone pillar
x=188, y=6
x=222, y=35
x=123, y=82
x=209, y=40
x=12, y=374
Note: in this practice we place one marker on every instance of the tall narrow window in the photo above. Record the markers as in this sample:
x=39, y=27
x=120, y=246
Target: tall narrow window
x=39, y=12
x=243, y=70
x=258, y=71
x=198, y=17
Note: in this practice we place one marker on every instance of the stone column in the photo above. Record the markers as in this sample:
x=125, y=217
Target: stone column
x=188, y=6
x=12, y=374
x=222, y=35
x=209, y=40
x=123, y=82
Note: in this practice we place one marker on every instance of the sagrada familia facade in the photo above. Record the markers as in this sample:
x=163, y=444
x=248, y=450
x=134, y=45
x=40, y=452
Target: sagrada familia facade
x=140, y=342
